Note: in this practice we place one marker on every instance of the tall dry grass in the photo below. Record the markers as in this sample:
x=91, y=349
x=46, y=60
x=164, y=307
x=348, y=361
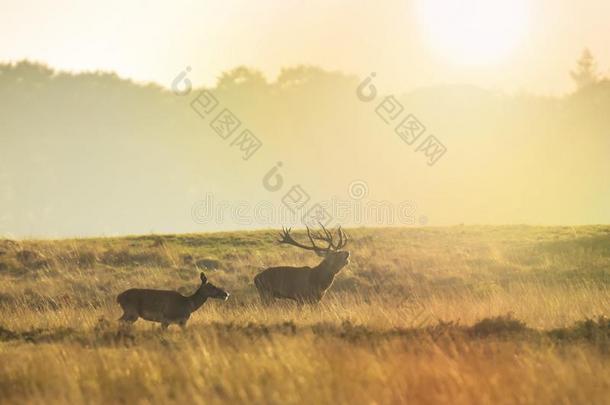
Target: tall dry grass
x=396, y=327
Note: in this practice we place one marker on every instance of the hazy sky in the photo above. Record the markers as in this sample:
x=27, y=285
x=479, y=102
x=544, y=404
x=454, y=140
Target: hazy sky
x=513, y=45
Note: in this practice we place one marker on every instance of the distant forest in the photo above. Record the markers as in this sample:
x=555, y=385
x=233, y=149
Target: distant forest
x=95, y=154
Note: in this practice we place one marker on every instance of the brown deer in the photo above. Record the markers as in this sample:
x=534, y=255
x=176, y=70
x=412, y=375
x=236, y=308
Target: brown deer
x=305, y=284
x=164, y=306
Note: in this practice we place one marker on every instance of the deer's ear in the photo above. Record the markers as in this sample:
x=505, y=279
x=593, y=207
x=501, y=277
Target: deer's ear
x=204, y=279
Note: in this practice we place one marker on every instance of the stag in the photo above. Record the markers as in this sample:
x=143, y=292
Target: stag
x=166, y=307
x=305, y=284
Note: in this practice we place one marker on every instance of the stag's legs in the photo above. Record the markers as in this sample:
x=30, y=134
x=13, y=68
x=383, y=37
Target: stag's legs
x=299, y=301
x=125, y=323
x=267, y=299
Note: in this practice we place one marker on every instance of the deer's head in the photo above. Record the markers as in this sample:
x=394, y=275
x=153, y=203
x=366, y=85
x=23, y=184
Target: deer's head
x=335, y=258
x=210, y=290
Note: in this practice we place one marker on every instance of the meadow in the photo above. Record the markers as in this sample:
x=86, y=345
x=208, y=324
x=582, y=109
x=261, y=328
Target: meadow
x=460, y=315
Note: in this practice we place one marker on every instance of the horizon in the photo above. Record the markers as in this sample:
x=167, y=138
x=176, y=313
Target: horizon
x=301, y=228
x=167, y=87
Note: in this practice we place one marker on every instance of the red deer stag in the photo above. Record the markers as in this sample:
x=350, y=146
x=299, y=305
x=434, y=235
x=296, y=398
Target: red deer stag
x=166, y=307
x=305, y=284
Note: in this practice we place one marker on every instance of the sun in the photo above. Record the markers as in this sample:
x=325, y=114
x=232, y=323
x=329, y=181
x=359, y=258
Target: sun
x=473, y=32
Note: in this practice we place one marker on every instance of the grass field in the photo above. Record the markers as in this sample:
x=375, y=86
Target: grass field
x=459, y=315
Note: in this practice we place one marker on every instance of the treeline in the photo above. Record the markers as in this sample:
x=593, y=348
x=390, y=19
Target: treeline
x=92, y=153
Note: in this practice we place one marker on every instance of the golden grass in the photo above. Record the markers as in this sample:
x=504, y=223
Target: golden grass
x=396, y=327
x=202, y=367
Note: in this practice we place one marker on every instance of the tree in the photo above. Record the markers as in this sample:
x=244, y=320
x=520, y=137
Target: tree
x=241, y=77
x=585, y=73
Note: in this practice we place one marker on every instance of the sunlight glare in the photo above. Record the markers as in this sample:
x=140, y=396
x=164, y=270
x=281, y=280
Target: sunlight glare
x=473, y=32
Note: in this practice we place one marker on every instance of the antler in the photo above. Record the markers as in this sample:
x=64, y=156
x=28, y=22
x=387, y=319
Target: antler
x=343, y=238
x=286, y=238
x=326, y=237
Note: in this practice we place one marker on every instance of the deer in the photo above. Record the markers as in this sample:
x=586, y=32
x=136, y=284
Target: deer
x=305, y=284
x=164, y=306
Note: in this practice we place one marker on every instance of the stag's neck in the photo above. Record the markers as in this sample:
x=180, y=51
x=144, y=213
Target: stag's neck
x=324, y=275
x=198, y=299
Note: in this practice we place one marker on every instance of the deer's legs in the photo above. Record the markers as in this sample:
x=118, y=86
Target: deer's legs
x=128, y=318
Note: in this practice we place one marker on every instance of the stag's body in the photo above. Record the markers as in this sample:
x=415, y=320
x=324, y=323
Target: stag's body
x=303, y=284
x=164, y=306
